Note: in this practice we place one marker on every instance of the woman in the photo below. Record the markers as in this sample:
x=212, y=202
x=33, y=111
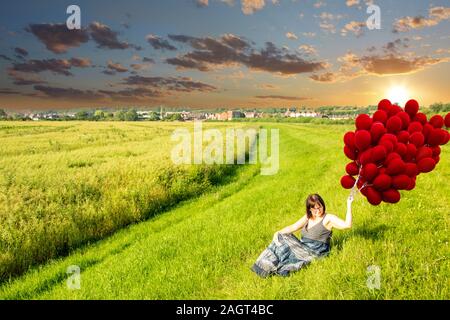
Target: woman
x=287, y=253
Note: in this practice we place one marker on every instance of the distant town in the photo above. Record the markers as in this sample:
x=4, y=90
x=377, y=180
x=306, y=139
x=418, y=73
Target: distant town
x=168, y=114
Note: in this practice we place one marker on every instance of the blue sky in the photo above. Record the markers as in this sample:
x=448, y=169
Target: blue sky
x=242, y=53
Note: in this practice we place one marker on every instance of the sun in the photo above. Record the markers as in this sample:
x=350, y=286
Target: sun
x=398, y=95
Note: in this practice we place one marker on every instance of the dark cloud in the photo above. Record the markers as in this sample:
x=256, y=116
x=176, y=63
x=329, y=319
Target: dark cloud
x=230, y=50
x=68, y=93
x=392, y=64
x=149, y=60
x=183, y=84
x=56, y=66
x=106, y=38
x=113, y=68
x=80, y=62
x=5, y=57
x=435, y=16
x=325, y=77
x=21, y=52
x=24, y=79
x=282, y=97
x=159, y=44
x=394, y=46
x=57, y=38
x=6, y=91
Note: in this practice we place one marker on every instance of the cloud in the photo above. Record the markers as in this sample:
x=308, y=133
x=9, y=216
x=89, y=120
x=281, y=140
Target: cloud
x=21, y=79
x=130, y=94
x=218, y=53
x=351, y=3
x=106, y=38
x=436, y=15
x=282, y=97
x=308, y=49
x=80, y=62
x=56, y=66
x=355, y=27
x=149, y=60
x=319, y=4
x=68, y=93
x=291, y=36
x=159, y=44
x=116, y=67
x=21, y=52
x=6, y=91
x=57, y=38
x=201, y=3
x=327, y=27
x=183, y=84
x=389, y=63
x=250, y=6
x=309, y=34
x=5, y=57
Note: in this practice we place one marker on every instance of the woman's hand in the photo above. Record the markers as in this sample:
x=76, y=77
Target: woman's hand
x=350, y=200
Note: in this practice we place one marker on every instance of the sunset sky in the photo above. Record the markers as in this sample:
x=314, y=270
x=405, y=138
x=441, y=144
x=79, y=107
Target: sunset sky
x=222, y=53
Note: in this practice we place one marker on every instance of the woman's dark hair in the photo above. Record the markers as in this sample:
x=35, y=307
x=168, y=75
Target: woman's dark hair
x=311, y=201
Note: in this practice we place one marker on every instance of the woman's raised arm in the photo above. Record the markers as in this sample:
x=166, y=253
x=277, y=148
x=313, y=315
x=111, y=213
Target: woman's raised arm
x=341, y=224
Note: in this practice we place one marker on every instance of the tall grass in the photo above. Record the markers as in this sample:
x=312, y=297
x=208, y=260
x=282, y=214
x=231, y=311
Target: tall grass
x=63, y=186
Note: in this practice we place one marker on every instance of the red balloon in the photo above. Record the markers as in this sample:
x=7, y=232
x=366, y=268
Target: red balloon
x=391, y=156
x=391, y=196
x=352, y=168
x=421, y=117
x=350, y=153
x=396, y=166
x=436, y=137
x=391, y=137
x=423, y=152
x=405, y=119
x=382, y=170
x=349, y=140
x=394, y=124
x=348, y=182
x=417, y=139
x=446, y=138
x=380, y=116
x=373, y=196
x=379, y=153
x=401, y=182
x=411, y=170
x=362, y=139
x=388, y=145
x=363, y=122
x=411, y=151
x=403, y=136
x=437, y=121
x=394, y=110
x=412, y=107
x=436, y=159
x=436, y=151
x=369, y=172
x=401, y=149
x=365, y=157
x=385, y=105
x=415, y=126
x=382, y=182
x=412, y=184
x=426, y=165
x=447, y=120
x=427, y=128
x=376, y=131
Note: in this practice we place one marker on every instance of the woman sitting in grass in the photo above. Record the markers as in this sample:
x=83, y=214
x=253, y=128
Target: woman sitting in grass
x=287, y=253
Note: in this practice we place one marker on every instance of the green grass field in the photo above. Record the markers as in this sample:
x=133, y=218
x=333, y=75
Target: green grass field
x=203, y=247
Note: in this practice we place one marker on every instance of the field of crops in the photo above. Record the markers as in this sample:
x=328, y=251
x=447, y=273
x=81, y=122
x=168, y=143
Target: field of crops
x=65, y=185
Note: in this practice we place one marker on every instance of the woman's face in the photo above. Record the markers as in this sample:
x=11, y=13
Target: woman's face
x=316, y=211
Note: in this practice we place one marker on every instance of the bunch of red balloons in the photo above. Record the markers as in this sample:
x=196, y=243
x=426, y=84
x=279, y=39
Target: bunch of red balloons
x=391, y=148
